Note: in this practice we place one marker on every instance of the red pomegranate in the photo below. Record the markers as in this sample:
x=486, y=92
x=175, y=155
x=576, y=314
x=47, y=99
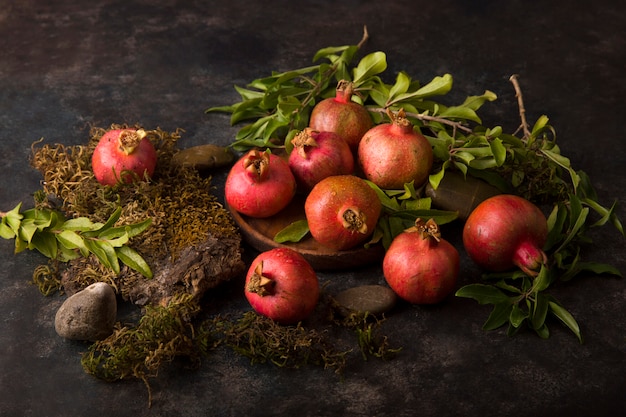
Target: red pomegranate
x=420, y=266
x=317, y=155
x=123, y=155
x=506, y=231
x=341, y=115
x=282, y=285
x=342, y=211
x=392, y=154
x=259, y=184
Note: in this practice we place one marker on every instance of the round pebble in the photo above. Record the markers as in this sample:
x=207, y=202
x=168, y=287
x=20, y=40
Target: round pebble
x=373, y=299
x=89, y=314
x=204, y=157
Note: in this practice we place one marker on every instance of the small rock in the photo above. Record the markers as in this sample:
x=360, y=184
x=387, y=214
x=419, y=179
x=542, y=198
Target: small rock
x=204, y=157
x=374, y=299
x=89, y=314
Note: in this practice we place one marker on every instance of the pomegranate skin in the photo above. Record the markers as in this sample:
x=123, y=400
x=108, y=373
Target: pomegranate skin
x=421, y=270
x=341, y=115
x=282, y=285
x=505, y=231
x=342, y=211
x=392, y=154
x=317, y=155
x=259, y=184
x=123, y=150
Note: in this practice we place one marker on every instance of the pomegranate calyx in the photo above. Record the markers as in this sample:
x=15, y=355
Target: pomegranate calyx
x=354, y=220
x=129, y=139
x=302, y=140
x=257, y=164
x=345, y=90
x=427, y=230
x=260, y=284
x=529, y=258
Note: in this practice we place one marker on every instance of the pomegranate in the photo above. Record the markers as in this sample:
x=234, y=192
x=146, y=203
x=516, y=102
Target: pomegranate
x=123, y=155
x=506, y=231
x=317, y=155
x=342, y=211
x=420, y=266
x=282, y=285
x=341, y=115
x=259, y=184
x=392, y=154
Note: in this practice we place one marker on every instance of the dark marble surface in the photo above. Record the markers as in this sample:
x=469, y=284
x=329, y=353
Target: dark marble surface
x=66, y=65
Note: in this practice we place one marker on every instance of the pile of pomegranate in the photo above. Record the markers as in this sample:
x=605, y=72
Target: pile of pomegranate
x=329, y=162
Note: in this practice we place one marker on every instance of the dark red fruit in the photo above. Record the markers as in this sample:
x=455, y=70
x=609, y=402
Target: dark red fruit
x=393, y=154
x=506, y=231
x=317, y=155
x=342, y=211
x=282, y=285
x=341, y=115
x=259, y=184
x=420, y=266
x=123, y=155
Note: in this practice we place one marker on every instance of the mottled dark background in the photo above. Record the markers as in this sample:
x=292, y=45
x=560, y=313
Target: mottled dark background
x=67, y=65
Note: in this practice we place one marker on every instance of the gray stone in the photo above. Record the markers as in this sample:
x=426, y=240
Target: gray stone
x=374, y=299
x=89, y=314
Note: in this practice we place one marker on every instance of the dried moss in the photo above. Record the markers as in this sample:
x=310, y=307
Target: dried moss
x=180, y=202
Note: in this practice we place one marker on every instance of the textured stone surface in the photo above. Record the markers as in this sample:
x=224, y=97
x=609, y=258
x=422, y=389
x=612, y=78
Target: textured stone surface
x=68, y=64
x=374, y=299
x=89, y=314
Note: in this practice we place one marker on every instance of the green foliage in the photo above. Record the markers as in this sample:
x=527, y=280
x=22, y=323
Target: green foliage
x=50, y=233
x=527, y=162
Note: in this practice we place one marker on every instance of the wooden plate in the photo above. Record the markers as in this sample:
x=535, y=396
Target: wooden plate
x=259, y=233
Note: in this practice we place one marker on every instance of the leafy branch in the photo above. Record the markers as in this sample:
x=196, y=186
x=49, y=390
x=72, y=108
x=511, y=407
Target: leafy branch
x=56, y=237
x=527, y=162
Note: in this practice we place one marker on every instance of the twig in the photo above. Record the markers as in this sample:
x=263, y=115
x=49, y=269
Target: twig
x=427, y=118
x=520, y=104
x=364, y=38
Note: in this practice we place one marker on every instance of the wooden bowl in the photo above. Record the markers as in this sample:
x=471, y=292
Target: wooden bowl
x=260, y=232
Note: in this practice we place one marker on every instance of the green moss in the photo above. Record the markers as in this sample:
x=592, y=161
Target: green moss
x=180, y=202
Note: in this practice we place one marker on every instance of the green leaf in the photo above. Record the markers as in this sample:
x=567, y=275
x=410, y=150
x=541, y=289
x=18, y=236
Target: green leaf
x=80, y=224
x=483, y=294
x=105, y=253
x=564, y=163
x=5, y=231
x=371, y=64
x=13, y=219
x=403, y=81
x=438, y=86
x=435, y=179
x=597, y=268
x=580, y=222
x=499, y=316
x=294, y=232
x=109, y=223
x=460, y=112
x=517, y=316
x=133, y=260
x=46, y=243
x=540, y=124
x=27, y=230
x=540, y=311
x=326, y=52
x=70, y=239
x=475, y=102
x=565, y=317
x=542, y=280
x=129, y=231
x=498, y=150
